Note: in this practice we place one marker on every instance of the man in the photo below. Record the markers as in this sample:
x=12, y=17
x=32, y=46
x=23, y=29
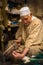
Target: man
x=31, y=31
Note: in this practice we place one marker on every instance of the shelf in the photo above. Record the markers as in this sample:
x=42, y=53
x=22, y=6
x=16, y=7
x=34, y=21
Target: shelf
x=1, y=4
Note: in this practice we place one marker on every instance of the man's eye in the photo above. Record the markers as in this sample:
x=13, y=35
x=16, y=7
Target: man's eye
x=25, y=18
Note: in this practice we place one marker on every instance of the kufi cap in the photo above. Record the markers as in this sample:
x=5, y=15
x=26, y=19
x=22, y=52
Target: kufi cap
x=24, y=11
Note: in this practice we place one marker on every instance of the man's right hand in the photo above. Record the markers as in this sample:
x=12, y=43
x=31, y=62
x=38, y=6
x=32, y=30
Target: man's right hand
x=18, y=41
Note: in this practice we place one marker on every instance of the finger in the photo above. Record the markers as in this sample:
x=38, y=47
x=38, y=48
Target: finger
x=14, y=52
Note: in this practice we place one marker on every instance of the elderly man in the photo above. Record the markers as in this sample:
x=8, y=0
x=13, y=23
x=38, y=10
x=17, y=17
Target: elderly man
x=31, y=32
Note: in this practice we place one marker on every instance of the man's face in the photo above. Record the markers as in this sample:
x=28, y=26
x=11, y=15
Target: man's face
x=26, y=19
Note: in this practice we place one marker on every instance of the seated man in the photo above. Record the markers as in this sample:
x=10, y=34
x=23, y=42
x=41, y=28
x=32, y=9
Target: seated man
x=31, y=32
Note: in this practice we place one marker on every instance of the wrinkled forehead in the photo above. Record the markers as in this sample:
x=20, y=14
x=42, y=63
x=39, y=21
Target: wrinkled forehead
x=25, y=17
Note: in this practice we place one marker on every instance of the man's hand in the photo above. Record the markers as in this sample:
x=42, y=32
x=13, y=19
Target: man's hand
x=20, y=55
x=18, y=41
x=17, y=55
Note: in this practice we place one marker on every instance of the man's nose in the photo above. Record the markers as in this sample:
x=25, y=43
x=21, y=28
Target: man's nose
x=25, y=21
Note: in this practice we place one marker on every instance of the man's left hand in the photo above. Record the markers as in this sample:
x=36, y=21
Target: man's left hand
x=17, y=55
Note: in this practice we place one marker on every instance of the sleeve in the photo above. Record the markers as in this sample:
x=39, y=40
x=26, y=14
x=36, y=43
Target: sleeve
x=18, y=34
x=32, y=38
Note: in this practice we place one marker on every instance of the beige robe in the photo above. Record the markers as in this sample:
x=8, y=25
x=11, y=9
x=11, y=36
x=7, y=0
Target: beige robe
x=32, y=35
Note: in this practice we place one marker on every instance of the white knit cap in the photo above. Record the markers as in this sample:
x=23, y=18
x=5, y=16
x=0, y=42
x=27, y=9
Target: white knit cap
x=24, y=11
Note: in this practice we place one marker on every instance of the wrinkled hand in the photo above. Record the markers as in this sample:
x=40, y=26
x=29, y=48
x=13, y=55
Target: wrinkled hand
x=17, y=55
